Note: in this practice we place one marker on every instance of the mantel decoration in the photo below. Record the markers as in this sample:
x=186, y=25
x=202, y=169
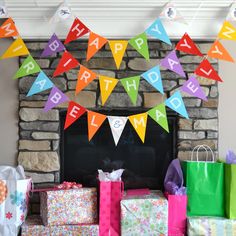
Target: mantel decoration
x=67, y=62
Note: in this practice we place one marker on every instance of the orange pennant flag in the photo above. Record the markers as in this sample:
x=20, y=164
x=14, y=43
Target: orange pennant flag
x=95, y=43
x=95, y=120
x=218, y=51
x=8, y=29
x=85, y=77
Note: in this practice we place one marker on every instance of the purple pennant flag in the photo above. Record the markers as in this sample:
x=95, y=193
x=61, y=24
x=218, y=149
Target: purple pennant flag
x=192, y=87
x=55, y=98
x=54, y=45
x=172, y=63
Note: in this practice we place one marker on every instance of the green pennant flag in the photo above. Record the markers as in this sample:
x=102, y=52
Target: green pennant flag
x=131, y=86
x=158, y=114
x=28, y=67
x=140, y=44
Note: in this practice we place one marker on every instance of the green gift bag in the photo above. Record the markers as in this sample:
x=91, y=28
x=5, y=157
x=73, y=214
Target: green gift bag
x=230, y=190
x=205, y=185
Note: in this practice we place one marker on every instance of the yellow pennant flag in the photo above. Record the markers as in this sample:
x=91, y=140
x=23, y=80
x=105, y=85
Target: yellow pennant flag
x=17, y=48
x=118, y=48
x=139, y=123
x=228, y=31
x=107, y=84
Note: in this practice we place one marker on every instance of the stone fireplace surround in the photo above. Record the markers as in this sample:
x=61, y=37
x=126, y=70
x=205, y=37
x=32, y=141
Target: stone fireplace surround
x=39, y=132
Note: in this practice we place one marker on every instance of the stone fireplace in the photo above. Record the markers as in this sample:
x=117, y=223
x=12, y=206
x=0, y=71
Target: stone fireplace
x=40, y=149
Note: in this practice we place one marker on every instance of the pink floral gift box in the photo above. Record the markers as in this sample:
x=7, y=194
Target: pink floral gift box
x=72, y=206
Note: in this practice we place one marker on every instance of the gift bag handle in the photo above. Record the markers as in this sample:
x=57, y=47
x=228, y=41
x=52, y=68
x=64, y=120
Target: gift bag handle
x=206, y=148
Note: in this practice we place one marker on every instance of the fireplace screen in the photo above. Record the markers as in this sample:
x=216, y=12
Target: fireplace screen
x=145, y=164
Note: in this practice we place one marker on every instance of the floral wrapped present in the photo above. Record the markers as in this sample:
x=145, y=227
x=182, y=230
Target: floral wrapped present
x=211, y=226
x=144, y=214
x=72, y=206
x=34, y=227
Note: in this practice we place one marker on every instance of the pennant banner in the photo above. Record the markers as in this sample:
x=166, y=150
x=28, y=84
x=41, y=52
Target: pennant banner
x=28, y=67
x=118, y=48
x=205, y=69
x=8, y=29
x=140, y=44
x=117, y=124
x=172, y=63
x=56, y=97
x=139, y=122
x=158, y=114
x=192, y=87
x=175, y=102
x=74, y=112
x=131, y=86
x=228, y=31
x=41, y=84
x=95, y=120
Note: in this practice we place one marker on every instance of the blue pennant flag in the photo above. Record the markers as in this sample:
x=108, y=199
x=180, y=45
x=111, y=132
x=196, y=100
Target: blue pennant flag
x=153, y=77
x=156, y=30
x=41, y=83
x=175, y=102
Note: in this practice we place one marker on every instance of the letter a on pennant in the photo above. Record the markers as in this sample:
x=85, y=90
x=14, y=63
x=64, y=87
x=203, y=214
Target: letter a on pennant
x=95, y=120
x=187, y=45
x=228, y=31
x=95, y=43
x=218, y=51
x=66, y=63
x=205, y=69
x=17, y=48
x=118, y=48
x=77, y=30
x=74, y=112
x=139, y=122
x=8, y=29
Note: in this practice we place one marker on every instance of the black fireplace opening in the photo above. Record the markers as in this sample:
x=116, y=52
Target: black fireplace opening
x=145, y=164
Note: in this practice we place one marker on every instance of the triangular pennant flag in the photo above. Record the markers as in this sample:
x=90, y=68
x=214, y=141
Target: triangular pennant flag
x=171, y=13
x=118, y=48
x=56, y=97
x=187, y=45
x=117, y=124
x=139, y=43
x=54, y=45
x=95, y=120
x=85, y=76
x=157, y=31
x=41, y=84
x=205, y=69
x=28, y=67
x=232, y=13
x=3, y=10
x=8, y=29
x=153, y=77
x=176, y=103
x=192, y=87
x=218, y=51
x=74, y=112
x=158, y=114
x=66, y=63
x=107, y=84
x=77, y=30
x=139, y=122
x=172, y=63
x=228, y=31
x=17, y=48
x=63, y=12
x=131, y=86
x=95, y=43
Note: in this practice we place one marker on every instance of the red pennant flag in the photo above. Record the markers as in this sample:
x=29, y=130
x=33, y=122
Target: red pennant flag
x=77, y=30
x=66, y=63
x=187, y=45
x=74, y=112
x=8, y=29
x=206, y=70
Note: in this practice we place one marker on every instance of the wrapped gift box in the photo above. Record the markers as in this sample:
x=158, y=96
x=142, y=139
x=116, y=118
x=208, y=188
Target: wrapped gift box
x=211, y=226
x=72, y=206
x=34, y=227
x=144, y=215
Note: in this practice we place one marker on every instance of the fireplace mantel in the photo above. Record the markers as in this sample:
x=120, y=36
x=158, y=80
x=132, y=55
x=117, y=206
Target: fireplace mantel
x=118, y=19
